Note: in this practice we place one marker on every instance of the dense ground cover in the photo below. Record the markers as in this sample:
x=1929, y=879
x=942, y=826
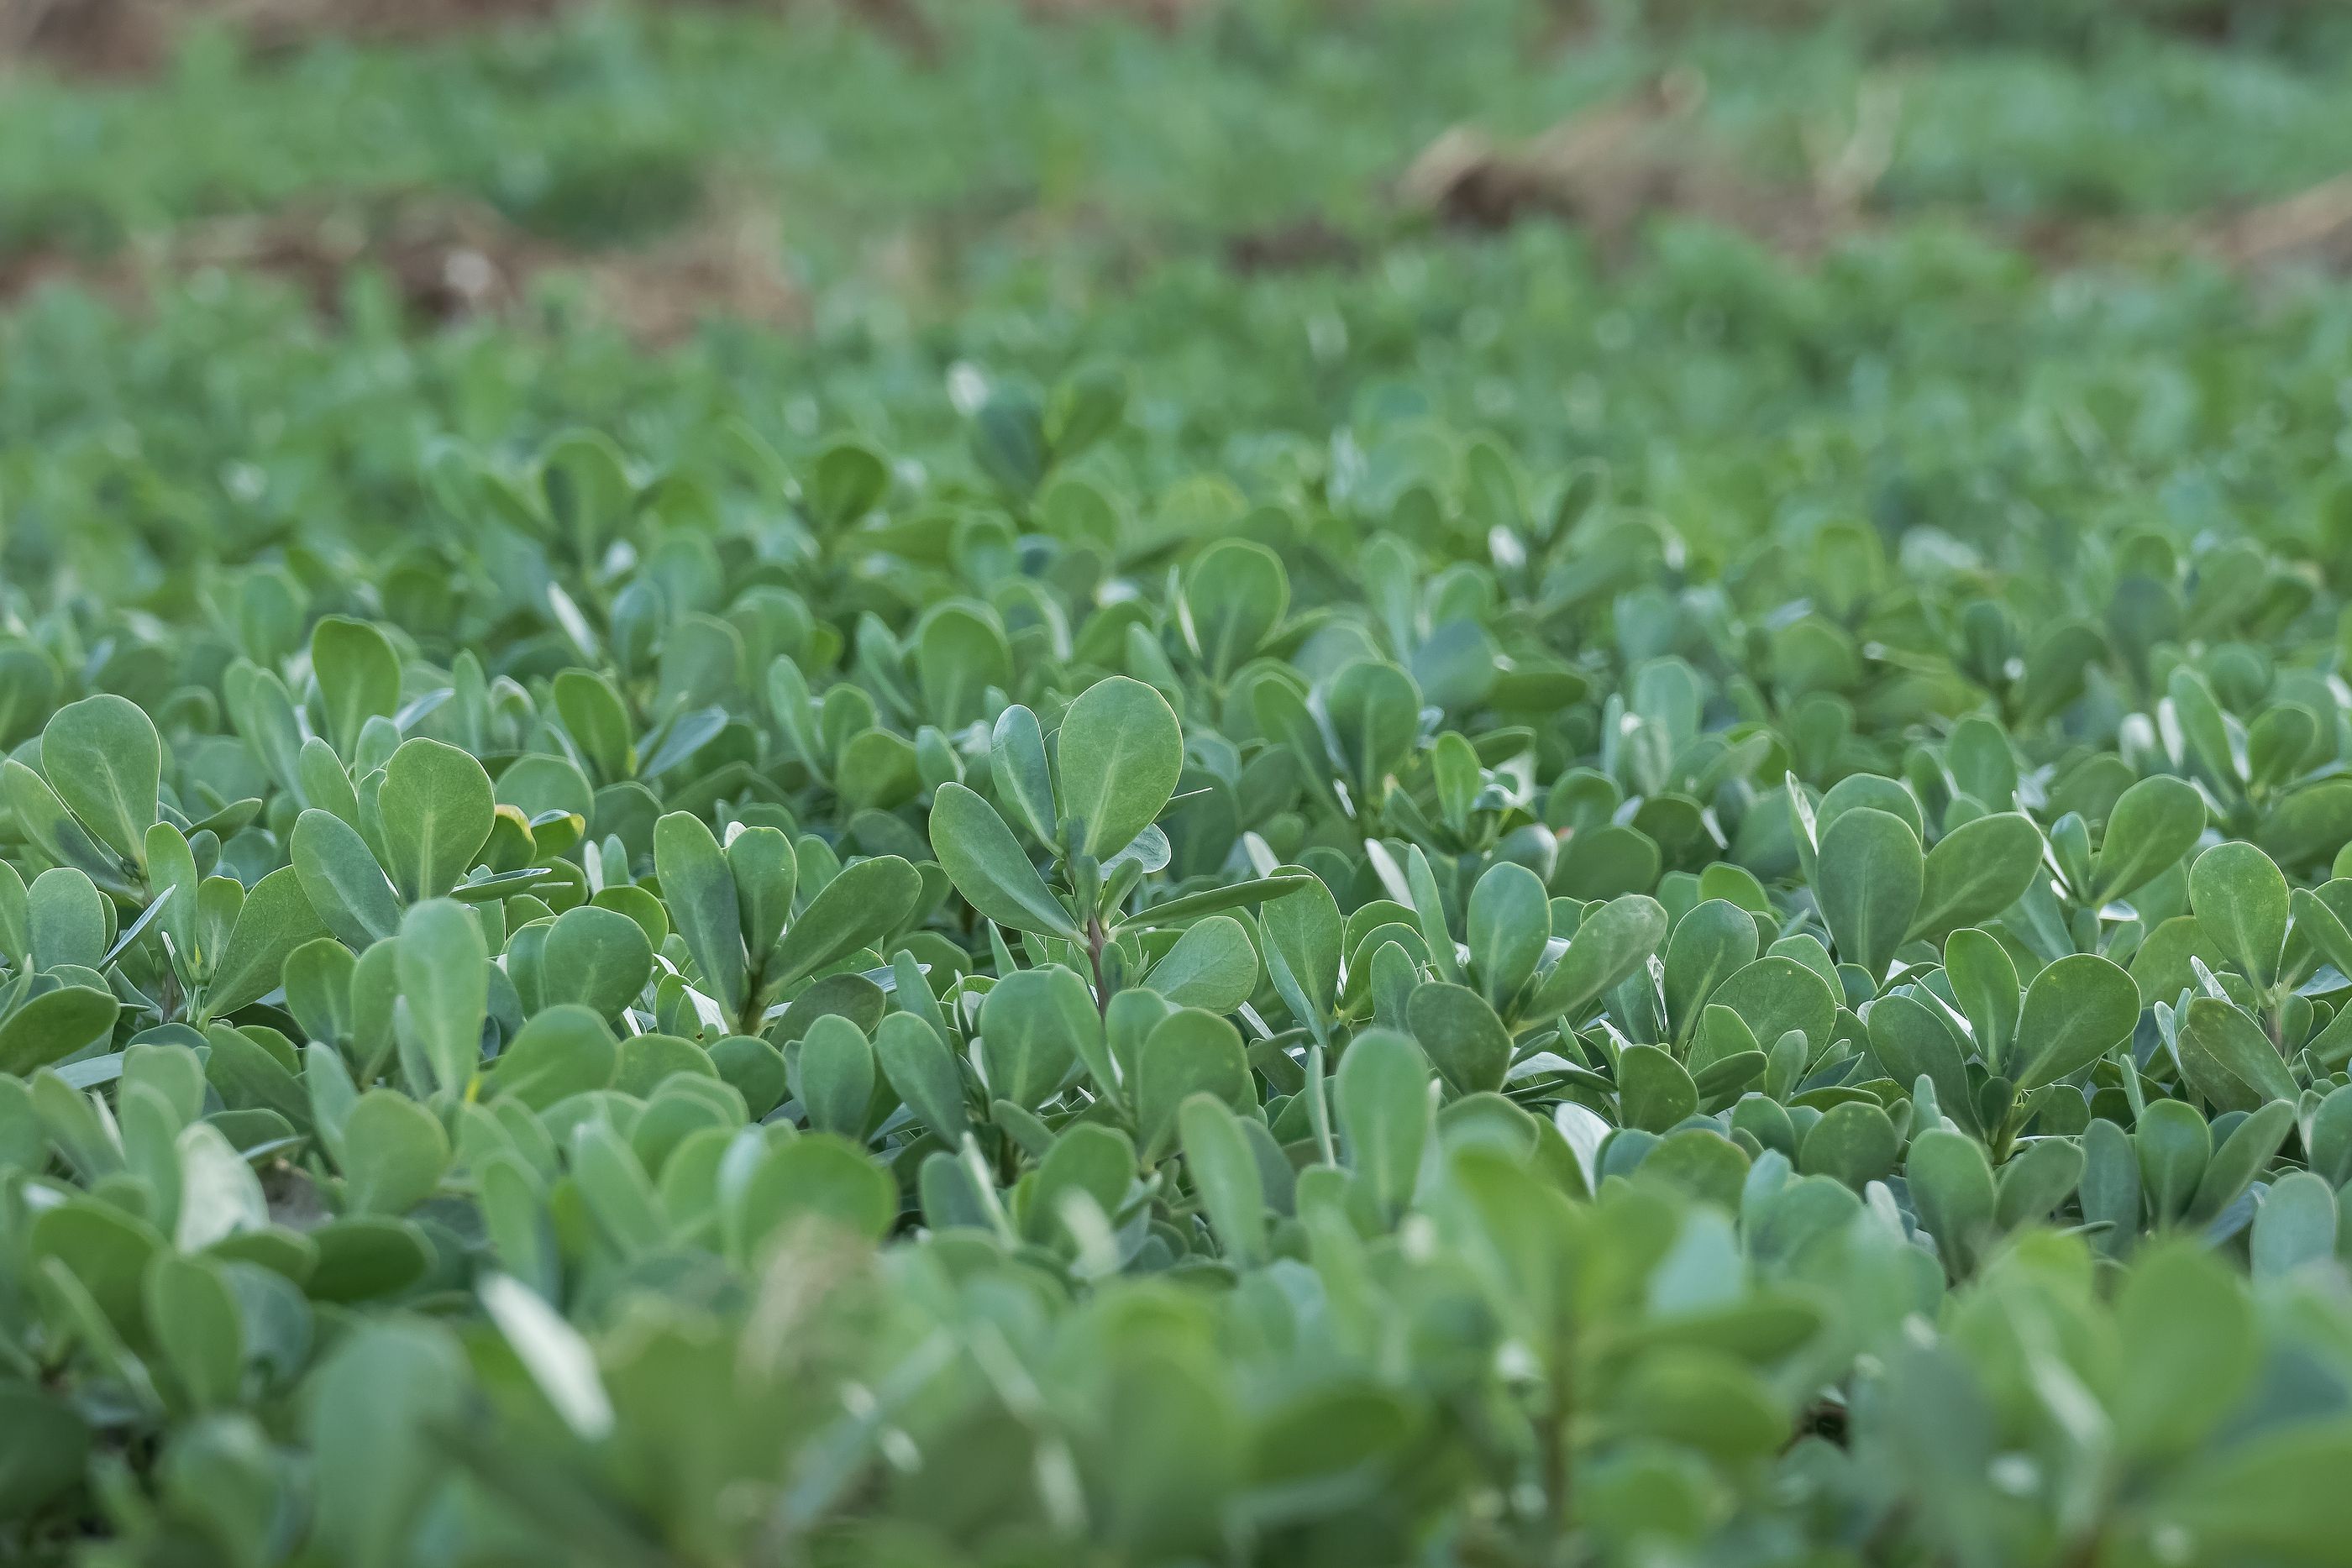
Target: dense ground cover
x=1201, y=869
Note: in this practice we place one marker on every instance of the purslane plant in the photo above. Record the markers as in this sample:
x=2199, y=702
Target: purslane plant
x=1472, y=910
x=795, y=1051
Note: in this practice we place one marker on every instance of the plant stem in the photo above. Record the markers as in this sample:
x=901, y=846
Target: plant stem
x=1558, y=1457
x=1094, y=940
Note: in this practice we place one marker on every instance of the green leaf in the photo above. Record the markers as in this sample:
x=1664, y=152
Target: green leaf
x=1975, y=872
x=1234, y=596
x=960, y=652
x=2229, y=1059
x=1381, y=1093
x=372, y=1413
x=102, y=758
x=923, y=1072
x=340, y=876
x=2075, y=1011
x=2311, y=824
x=1613, y=941
x=989, y=868
x=1031, y=1028
x=1008, y=441
x=1020, y=774
x=1653, y=1091
x=2297, y=1227
x=1463, y=1037
x=1374, y=712
x=1212, y=965
x=559, y=1359
x=366, y=1258
x=2154, y=823
x=2186, y=1331
x=1266, y=890
x=436, y=809
x=561, y=1051
x=2240, y=899
x=15, y=919
x=1777, y=994
x=766, y=868
x=595, y=718
x=55, y=1025
x=194, y=1316
x=1912, y=1039
x=816, y=1180
x=1303, y=934
x=1225, y=1174
x=2267, y=1499
x=358, y=674
x=1428, y=910
x=394, y=1153
x=1700, y=1162
x=106, y=1249
x=1118, y=757
x=614, y=1189
x=44, y=1448
x=2039, y=1176
x=699, y=890
x=866, y=903
x=444, y=972
x=1089, y=1165
x=276, y=918
x=2174, y=1146
x=1715, y=941
x=324, y=782
x=1187, y=1052
x=1868, y=879
x=2110, y=1189
x=1952, y=1187
x=1508, y=925
x=2318, y=926
x=171, y=874
x=66, y=920
x=318, y=977
x=596, y=957
x=847, y=480
x=1984, y=983
x=43, y=822
x=2243, y=1157
x=795, y=714
x=1855, y=1142
x=834, y=1077
x=1086, y=405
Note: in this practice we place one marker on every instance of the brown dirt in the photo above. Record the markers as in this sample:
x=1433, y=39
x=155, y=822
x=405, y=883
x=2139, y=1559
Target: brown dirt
x=2309, y=231
x=1295, y=247
x=2312, y=228
x=133, y=37
x=1611, y=168
x=1963, y=26
x=83, y=38
x=1159, y=13
x=448, y=261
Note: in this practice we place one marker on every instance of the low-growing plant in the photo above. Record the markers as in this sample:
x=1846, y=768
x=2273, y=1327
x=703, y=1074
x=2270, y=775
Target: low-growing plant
x=1462, y=911
x=946, y=1021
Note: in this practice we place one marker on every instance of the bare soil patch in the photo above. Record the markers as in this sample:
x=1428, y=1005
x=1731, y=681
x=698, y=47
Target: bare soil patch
x=1612, y=168
x=448, y=260
x=2311, y=228
x=133, y=37
x=1298, y=245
